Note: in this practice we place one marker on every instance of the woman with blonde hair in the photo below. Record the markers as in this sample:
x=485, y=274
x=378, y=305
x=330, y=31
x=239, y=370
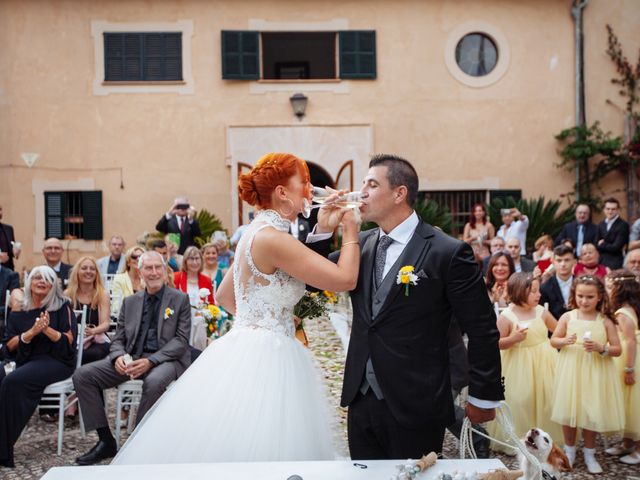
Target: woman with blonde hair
x=129, y=281
x=270, y=404
x=85, y=288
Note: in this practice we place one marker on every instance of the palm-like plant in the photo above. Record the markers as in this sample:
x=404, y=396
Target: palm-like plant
x=209, y=223
x=545, y=216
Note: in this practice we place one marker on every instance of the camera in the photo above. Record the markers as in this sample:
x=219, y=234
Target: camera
x=505, y=211
x=182, y=206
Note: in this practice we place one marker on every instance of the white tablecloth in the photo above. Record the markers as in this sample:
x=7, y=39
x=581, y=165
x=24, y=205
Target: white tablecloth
x=339, y=470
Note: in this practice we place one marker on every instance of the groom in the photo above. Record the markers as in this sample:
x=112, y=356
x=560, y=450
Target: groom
x=396, y=379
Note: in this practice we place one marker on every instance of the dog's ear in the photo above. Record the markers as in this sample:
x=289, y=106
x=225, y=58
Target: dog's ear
x=559, y=459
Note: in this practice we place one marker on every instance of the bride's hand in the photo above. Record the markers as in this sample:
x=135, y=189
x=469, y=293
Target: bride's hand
x=351, y=218
x=330, y=216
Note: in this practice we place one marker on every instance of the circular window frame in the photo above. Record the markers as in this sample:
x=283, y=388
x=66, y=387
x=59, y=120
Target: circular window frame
x=500, y=41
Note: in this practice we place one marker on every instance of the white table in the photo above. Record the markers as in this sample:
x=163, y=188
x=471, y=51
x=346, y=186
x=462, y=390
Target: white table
x=338, y=470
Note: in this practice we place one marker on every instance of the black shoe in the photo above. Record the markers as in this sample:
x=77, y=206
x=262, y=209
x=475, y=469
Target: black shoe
x=99, y=452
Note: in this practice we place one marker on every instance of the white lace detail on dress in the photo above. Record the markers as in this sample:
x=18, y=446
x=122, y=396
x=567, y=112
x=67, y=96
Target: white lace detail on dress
x=263, y=300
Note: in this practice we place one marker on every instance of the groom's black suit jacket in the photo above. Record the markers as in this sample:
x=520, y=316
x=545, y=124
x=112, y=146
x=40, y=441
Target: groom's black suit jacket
x=407, y=336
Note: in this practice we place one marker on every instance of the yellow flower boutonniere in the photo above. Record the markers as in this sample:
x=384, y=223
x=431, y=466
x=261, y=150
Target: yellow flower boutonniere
x=167, y=313
x=406, y=277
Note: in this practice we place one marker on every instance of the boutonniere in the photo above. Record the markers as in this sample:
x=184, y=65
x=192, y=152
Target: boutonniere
x=167, y=313
x=406, y=277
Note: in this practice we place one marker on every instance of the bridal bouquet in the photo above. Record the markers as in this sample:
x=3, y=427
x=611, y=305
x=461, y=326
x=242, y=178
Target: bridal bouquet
x=312, y=305
x=211, y=314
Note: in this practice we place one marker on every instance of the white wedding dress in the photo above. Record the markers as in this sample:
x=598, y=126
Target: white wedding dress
x=252, y=395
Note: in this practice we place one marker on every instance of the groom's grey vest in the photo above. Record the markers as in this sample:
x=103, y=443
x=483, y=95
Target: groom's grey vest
x=378, y=297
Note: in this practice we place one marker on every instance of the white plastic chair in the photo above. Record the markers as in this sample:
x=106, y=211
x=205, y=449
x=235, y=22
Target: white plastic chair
x=107, y=279
x=60, y=395
x=129, y=394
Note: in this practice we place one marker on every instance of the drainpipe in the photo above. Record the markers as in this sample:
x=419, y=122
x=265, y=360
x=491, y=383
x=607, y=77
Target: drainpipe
x=576, y=12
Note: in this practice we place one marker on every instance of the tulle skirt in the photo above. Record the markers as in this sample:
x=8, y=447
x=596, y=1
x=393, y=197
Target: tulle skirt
x=253, y=395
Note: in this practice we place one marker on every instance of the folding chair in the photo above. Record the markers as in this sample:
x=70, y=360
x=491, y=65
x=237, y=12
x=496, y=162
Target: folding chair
x=59, y=395
x=129, y=394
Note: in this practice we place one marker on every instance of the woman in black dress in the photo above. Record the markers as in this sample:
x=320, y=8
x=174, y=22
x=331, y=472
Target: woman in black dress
x=43, y=337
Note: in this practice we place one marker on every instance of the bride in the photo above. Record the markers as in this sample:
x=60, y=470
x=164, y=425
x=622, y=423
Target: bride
x=254, y=394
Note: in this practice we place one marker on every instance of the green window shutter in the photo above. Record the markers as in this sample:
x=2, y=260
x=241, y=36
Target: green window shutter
x=92, y=215
x=54, y=214
x=142, y=56
x=357, y=54
x=240, y=55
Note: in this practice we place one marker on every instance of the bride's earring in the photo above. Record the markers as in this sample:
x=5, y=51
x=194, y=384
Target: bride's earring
x=286, y=214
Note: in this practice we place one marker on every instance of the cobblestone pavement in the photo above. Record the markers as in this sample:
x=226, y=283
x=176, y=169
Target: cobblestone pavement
x=35, y=451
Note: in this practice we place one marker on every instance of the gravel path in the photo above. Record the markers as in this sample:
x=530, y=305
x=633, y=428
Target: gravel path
x=35, y=451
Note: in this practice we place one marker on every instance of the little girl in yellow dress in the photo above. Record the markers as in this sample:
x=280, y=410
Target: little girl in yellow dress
x=588, y=391
x=528, y=360
x=623, y=287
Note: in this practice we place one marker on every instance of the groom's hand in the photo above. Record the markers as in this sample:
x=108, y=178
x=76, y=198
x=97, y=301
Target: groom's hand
x=139, y=367
x=479, y=415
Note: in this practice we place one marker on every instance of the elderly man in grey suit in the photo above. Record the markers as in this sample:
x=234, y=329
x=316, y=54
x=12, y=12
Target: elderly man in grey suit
x=151, y=343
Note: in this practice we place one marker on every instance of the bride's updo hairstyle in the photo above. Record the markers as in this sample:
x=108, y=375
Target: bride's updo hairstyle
x=271, y=170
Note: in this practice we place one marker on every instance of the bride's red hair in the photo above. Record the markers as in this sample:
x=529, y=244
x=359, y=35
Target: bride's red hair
x=271, y=170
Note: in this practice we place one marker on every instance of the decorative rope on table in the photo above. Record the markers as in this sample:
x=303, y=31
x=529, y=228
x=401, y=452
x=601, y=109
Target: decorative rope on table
x=505, y=420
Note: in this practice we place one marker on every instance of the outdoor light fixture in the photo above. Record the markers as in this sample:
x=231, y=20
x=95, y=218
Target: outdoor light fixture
x=299, y=104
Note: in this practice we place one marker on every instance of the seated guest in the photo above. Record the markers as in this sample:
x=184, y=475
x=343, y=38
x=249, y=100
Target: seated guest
x=191, y=279
x=479, y=231
x=544, y=252
x=632, y=260
x=496, y=245
x=161, y=247
x=520, y=262
x=114, y=262
x=85, y=289
x=129, y=281
x=151, y=343
x=42, y=336
x=589, y=263
x=211, y=267
x=52, y=251
x=555, y=291
x=9, y=281
x=500, y=269
x=634, y=235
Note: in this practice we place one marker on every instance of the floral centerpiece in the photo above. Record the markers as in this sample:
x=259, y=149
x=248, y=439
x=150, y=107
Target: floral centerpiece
x=311, y=305
x=212, y=315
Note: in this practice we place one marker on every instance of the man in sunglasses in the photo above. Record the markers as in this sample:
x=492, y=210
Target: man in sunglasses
x=180, y=219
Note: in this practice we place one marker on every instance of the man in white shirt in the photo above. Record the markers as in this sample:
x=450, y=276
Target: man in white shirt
x=514, y=224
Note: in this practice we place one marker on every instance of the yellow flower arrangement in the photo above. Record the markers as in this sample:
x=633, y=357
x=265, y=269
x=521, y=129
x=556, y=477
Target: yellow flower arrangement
x=167, y=313
x=331, y=296
x=406, y=277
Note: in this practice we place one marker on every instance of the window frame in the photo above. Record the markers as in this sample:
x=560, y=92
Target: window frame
x=185, y=86
x=84, y=224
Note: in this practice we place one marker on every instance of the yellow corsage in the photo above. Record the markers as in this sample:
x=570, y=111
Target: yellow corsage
x=406, y=277
x=167, y=313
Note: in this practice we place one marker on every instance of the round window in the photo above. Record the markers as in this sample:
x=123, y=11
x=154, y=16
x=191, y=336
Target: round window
x=476, y=54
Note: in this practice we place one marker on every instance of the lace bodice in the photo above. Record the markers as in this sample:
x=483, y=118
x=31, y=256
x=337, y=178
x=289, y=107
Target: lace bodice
x=264, y=300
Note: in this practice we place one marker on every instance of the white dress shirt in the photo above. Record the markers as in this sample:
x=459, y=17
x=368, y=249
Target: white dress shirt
x=517, y=229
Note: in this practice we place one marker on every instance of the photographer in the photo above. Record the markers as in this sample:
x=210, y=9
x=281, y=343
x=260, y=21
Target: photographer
x=514, y=224
x=180, y=219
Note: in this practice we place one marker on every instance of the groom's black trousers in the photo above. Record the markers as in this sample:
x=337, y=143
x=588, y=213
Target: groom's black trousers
x=375, y=435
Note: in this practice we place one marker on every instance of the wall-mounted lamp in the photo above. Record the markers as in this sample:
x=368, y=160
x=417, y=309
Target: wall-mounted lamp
x=299, y=104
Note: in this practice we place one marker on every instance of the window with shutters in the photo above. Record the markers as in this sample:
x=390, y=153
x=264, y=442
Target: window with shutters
x=73, y=215
x=295, y=56
x=142, y=56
